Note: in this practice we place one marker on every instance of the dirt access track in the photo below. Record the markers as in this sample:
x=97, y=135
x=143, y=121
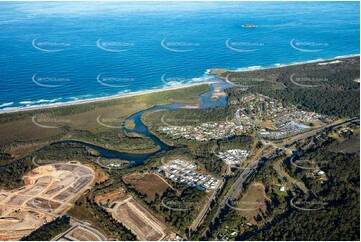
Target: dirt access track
x=144, y=224
x=81, y=231
x=49, y=191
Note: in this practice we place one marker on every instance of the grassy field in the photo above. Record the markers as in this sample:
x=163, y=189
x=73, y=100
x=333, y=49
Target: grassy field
x=253, y=202
x=97, y=123
x=349, y=146
x=149, y=184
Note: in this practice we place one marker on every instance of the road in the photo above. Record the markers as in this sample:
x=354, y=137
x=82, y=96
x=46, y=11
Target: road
x=278, y=167
x=237, y=186
x=82, y=225
x=205, y=208
x=310, y=133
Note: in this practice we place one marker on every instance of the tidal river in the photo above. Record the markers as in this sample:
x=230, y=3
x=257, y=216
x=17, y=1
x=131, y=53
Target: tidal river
x=138, y=159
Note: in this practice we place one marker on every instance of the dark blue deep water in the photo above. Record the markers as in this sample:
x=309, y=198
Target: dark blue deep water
x=60, y=52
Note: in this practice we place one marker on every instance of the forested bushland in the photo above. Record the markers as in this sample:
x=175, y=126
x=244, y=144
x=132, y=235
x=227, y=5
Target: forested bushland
x=11, y=174
x=189, y=199
x=177, y=206
x=340, y=217
x=49, y=230
x=327, y=89
x=113, y=226
x=58, y=152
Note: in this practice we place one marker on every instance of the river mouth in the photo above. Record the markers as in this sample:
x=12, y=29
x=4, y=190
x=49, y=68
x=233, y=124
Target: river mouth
x=206, y=101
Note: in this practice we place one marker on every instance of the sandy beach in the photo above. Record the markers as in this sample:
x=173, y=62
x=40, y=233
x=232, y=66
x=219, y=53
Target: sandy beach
x=335, y=60
x=216, y=72
x=100, y=99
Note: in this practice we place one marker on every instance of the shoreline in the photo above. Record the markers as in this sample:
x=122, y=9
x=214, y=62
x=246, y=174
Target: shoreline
x=100, y=99
x=217, y=72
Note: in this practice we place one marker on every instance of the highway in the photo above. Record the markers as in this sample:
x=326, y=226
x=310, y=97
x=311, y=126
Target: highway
x=205, y=208
x=237, y=186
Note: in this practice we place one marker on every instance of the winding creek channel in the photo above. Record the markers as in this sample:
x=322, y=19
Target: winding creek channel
x=139, y=159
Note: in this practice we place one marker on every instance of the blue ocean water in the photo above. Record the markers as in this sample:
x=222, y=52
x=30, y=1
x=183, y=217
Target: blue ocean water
x=53, y=52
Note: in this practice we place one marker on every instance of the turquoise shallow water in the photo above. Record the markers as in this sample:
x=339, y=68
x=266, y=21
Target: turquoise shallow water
x=57, y=52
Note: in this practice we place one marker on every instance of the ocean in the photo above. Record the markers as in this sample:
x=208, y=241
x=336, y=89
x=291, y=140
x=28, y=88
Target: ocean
x=54, y=52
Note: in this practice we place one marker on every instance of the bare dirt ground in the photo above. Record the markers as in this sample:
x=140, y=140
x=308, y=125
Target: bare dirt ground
x=110, y=197
x=148, y=183
x=81, y=231
x=100, y=175
x=49, y=192
x=145, y=225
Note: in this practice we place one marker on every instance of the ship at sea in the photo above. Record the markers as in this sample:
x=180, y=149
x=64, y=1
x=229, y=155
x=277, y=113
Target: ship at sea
x=103, y=61
x=249, y=26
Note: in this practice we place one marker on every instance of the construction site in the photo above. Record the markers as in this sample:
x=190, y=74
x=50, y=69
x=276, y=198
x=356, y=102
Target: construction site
x=140, y=221
x=49, y=191
x=81, y=231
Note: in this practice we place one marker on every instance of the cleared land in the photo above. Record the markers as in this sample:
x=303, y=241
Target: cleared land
x=81, y=232
x=145, y=225
x=49, y=192
x=109, y=198
x=349, y=146
x=100, y=175
x=149, y=184
x=254, y=202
